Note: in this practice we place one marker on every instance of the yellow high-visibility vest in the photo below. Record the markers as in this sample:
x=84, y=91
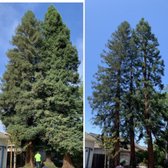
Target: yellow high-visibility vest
x=37, y=157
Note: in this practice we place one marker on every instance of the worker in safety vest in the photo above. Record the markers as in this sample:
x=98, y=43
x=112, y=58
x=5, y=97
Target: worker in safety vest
x=38, y=160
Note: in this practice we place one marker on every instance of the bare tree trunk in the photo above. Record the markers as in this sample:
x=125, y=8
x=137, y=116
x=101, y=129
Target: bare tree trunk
x=117, y=144
x=131, y=124
x=150, y=149
x=29, y=154
x=132, y=143
x=117, y=123
x=48, y=157
x=67, y=162
x=149, y=136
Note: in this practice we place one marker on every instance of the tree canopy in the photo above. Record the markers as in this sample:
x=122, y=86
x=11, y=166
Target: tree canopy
x=128, y=92
x=41, y=100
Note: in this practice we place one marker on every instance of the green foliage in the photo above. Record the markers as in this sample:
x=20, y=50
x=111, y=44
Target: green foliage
x=62, y=103
x=160, y=157
x=127, y=92
x=149, y=85
x=141, y=157
x=17, y=99
x=107, y=88
x=62, y=134
x=41, y=99
x=151, y=68
x=109, y=97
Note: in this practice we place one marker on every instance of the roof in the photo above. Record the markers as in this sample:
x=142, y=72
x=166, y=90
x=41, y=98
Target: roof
x=139, y=147
x=96, y=138
x=88, y=137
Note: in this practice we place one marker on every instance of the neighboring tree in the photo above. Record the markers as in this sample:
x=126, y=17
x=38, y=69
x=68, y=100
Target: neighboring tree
x=17, y=104
x=108, y=90
x=130, y=110
x=58, y=87
x=161, y=145
x=149, y=82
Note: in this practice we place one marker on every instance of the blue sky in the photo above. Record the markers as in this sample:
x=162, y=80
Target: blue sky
x=11, y=14
x=102, y=19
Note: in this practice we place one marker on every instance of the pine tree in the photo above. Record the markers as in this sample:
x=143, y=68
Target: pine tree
x=17, y=98
x=151, y=68
x=58, y=87
x=109, y=87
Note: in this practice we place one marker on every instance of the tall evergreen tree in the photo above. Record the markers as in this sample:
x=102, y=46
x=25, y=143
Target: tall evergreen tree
x=58, y=86
x=17, y=103
x=130, y=110
x=41, y=96
x=149, y=81
x=110, y=86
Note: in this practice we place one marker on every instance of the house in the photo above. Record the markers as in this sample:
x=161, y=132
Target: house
x=89, y=150
x=3, y=149
x=96, y=155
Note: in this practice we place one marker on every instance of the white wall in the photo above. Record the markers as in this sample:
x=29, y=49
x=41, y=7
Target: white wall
x=3, y=152
x=89, y=150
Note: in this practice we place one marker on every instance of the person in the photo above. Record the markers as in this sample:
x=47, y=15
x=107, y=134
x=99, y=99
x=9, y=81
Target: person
x=38, y=160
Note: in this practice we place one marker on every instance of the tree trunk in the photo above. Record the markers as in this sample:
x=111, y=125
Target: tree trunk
x=149, y=136
x=117, y=122
x=147, y=115
x=117, y=144
x=29, y=155
x=132, y=144
x=150, y=149
x=67, y=162
x=48, y=159
x=131, y=124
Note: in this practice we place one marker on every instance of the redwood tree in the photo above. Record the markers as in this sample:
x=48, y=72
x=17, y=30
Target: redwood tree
x=130, y=110
x=151, y=69
x=17, y=103
x=109, y=87
x=59, y=88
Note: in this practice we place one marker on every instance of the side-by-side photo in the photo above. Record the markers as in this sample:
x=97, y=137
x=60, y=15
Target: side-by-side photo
x=126, y=84
x=41, y=86
x=83, y=84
